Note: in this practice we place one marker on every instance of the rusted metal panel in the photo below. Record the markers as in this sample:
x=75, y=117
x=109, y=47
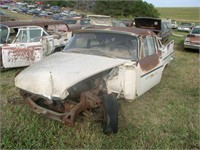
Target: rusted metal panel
x=88, y=101
x=149, y=62
x=16, y=56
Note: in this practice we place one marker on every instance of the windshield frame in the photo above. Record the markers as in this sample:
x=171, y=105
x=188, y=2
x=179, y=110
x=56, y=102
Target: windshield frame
x=68, y=47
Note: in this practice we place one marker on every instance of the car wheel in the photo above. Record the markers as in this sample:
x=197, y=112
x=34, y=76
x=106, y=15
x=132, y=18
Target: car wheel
x=110, y=107
x=58, y=49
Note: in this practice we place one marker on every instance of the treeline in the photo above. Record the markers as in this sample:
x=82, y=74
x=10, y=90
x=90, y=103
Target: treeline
x=125, y=8
x=115, y=8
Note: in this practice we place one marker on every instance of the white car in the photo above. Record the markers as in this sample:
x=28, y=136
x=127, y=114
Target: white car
x=174, y=24
x=186, y=26
x=23, y=43
x=97, y=66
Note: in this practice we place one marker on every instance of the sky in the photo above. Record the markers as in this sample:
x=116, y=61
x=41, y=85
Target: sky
x=174, y=3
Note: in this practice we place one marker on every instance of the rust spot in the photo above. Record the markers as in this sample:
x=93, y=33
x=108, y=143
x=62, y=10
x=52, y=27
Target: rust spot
x=25, y=53
x=195, y=40
x=69, y=110
x=149, y=62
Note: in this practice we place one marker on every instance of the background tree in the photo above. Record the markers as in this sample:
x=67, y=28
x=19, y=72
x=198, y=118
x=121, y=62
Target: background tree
x=125, y=8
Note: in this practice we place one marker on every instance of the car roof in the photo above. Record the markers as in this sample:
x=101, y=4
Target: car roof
x=128, y=30
x=41, y=23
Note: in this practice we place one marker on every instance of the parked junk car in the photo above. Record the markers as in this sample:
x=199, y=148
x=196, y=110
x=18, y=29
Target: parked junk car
x=100, y=20
x=185, y=26
x=192, y=40
x=23, y=10
x=96, y=67
x=77, y=23
x=47, y=14
x=174, y=24
x=161, y=28
x=33, y=12
x=25, y=42
x=55, y=9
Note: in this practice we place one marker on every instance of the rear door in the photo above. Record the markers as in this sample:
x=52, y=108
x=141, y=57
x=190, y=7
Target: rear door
x=25, y=49
x=150, y=66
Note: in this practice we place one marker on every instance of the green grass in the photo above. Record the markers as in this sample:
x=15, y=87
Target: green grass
x=166, y=117
x=181, y=14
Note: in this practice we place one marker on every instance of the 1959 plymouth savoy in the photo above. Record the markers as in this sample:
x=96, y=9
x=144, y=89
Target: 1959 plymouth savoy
x=96, y=67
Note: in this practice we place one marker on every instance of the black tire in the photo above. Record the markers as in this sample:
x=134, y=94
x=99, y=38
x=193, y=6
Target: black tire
x=110, y=107
x=58, y=49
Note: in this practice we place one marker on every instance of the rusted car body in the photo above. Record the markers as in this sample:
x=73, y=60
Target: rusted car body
x=161, y=27
x=192, y=40
x=26, y=42
x=96, y=67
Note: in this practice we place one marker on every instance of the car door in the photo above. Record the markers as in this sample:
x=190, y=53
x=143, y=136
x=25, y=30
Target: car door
x=24, y=50
x=150, y=65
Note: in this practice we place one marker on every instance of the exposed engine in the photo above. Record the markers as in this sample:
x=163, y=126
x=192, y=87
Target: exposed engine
x=95, y=83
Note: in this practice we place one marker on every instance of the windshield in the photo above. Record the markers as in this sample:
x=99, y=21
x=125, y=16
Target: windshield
x=195, y=31
x=104, y=44
x=3, y=34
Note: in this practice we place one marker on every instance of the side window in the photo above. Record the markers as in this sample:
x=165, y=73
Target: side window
x=13, y=33
x=149, y=46
x=35, y=35
x=22, y=37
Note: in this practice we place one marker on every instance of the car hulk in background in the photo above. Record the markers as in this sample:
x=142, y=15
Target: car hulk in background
x=192, y=40
x=98, y=66
x=161, y=27
x=24, y=42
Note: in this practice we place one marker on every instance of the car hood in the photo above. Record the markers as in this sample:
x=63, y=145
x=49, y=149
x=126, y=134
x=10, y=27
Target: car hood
x=53, y=75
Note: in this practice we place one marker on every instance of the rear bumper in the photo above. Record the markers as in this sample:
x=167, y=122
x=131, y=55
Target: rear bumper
x=184, y=29
x=191, y=46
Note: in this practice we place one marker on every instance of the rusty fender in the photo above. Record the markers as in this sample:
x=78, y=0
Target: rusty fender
x=88, y=101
